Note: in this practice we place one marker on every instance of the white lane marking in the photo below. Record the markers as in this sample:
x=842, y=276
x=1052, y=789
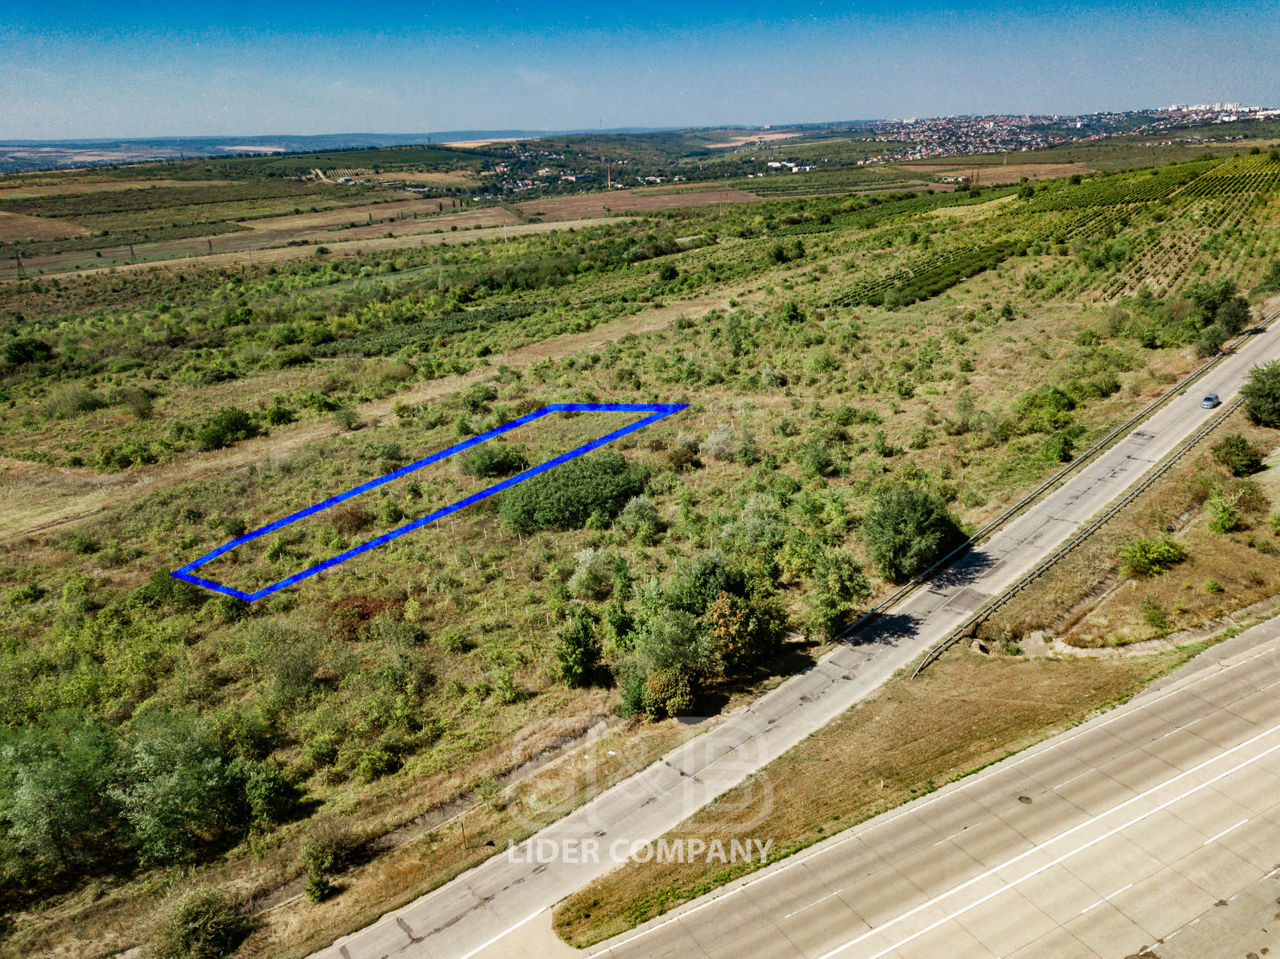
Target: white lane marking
x=1072, y=779
x=1105, y=898
x=1029, y=754
x=1224, y=832
x=810, y=906
x=954, y=834
x=506, y=932
x=1067, y=855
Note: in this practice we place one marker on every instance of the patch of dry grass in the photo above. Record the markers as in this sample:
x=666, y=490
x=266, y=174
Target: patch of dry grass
x=19, y=226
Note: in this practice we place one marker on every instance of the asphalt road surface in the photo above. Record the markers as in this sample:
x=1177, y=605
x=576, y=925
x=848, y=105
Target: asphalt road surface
x=483, y=909
x=1137, y=827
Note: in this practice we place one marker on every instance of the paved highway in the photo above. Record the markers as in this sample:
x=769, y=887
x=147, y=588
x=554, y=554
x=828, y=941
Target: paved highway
x=1101, y=842
x=492, y=902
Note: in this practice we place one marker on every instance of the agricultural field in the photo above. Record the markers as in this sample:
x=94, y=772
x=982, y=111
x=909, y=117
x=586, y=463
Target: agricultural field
x=834, y=353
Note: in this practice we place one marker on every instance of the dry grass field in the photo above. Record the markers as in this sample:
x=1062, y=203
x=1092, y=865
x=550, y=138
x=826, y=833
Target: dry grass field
x=761, y=137
x=629, y=201
x=452, y=178
x=14, y=187
x=19, y=226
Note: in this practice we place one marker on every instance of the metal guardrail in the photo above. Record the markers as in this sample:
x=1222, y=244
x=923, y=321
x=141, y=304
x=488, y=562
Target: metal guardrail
x=910, y=586
x=1079, y=538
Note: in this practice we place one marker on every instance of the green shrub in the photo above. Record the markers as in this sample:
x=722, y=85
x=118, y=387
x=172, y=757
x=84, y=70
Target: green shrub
x=278, y=414
x=568, y=495
x=26, y=349
x=1212, y=586
x=593, y=576
x=907, y=528
x=1238, y=455
x=489, y=460
x=326, y=851
x=639, y=517
x=1154, y=615
x=1043, y=410
x=345, y=418
x=230, y=425
x=1150, y=557
x=1224, y=514
x=77, y=543
x=123, y=455
x=73, y=401
x=578, y=650
x=204, y=924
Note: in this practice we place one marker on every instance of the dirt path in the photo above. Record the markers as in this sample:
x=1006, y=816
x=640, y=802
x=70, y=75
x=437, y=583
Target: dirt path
x=36, y=499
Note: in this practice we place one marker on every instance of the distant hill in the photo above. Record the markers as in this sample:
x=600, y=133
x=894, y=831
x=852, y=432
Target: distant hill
x=17, y=156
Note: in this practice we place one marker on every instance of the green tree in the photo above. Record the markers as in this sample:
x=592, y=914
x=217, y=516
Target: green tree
x=1261, y=393
x=837, y=588
x=1233, y=315
x=179, y=793
x=55, y=797
x=906, y=529
x=578, y=650
x=741, y=631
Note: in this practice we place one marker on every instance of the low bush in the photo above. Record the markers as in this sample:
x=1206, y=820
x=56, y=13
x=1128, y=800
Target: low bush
x=204, y=924
x=1238, y=455
x=326, y=851
x=230, y=425
x=491, y=460
x=569, y=495
x=1150, y=557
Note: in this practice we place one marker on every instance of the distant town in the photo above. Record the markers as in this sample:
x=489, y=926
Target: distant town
x=542, y=161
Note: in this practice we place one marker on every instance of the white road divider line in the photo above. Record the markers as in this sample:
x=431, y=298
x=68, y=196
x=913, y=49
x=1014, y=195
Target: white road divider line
x=1067, y=855
x=809, y=906
x=502, y=935
x=1225, y=831
x=1105, y=898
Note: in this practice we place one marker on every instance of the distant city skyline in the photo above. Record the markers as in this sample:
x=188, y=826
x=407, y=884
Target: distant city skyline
x=155, y=69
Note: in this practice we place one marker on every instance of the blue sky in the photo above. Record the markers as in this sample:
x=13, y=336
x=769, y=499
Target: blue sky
x=146, y=68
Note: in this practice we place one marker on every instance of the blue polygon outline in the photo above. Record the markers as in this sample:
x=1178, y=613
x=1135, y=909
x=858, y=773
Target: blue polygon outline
x=658, y=410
